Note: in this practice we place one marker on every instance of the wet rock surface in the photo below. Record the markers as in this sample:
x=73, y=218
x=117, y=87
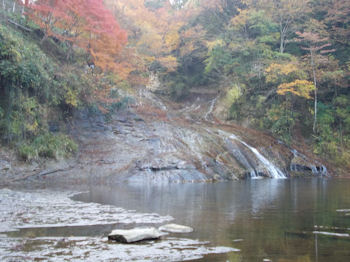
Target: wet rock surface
x=48, y=208
x=175, y=228
x=155, y=143
x=48, y=225
x=135, y=234
x=161, y=144
x=97, y=249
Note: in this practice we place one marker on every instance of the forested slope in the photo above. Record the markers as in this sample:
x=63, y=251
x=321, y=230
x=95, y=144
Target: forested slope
x=281, y=66
x=46, y=74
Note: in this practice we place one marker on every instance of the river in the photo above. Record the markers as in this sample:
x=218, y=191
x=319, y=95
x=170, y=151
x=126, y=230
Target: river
x=250, y=220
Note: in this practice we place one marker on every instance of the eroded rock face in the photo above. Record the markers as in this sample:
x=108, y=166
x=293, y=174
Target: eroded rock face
x=4, y=165
x=301, y=165
x=138, y=146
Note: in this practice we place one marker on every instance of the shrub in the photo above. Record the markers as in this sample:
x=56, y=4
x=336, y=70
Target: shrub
x=48, y=145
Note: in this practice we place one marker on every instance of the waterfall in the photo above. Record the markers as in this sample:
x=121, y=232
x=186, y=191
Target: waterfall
x=242, y=159
x=211, y=108
x=274, y=171
x=316, y=167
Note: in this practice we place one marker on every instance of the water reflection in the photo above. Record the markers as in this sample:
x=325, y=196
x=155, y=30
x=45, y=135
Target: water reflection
x=275, y=219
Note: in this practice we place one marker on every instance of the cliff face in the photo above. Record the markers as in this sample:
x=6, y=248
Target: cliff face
x=157, y=142
x=152, y=141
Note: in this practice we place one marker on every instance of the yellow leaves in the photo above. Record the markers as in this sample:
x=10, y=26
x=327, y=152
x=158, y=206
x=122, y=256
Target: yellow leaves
x=155, y=30
x=32, y=127
x=151, y=42
x=172, y=40
x=300, y=88
x=241, y=19
x=282, y=68
x=275, y=71
x=286, y=77
x=148, y=59
x=232, y=95
x=71, y=97
x=212, y=44
x=170, y=62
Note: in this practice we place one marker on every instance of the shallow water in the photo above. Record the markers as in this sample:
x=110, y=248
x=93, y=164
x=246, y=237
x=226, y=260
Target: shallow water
x=252, y=220
x=47, y=225
x=277, y=220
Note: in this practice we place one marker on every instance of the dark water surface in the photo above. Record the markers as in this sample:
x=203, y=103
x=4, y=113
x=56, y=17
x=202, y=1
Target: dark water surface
x=268, y=219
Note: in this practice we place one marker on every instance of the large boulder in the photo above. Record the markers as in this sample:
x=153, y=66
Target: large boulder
x=135, y=234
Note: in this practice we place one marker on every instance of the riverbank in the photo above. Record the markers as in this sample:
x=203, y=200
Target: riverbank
x=247, y=220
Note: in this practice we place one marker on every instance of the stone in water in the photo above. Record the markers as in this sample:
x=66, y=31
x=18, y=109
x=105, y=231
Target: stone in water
x=174, y=228
x=135, y=234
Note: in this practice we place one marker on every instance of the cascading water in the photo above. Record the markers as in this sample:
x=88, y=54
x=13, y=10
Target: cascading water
x=211, y=108
x=239, y=155
x=316, y=167
x=274, y=171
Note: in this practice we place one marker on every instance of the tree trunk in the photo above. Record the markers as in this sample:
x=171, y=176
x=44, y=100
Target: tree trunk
x=282, y=44
x=282, y=37
x=14, y=7
x=44, y=38
x=3, y=5
x=315, y=94
x=8, y=112
x=69, y=52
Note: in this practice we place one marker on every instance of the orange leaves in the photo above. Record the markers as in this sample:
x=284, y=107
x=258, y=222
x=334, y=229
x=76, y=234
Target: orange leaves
x=300, y=88
x=192, y=38
x=172, y=40
x=155, y=30
x=84, y=23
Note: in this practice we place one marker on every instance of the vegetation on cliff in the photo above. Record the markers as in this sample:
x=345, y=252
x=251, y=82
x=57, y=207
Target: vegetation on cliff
x=41, y=85
x=281, y=66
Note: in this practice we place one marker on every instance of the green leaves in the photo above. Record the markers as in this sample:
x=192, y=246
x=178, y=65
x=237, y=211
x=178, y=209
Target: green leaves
x=48, y=146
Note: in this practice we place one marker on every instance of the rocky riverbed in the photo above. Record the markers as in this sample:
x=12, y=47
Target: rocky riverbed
x=48, y=225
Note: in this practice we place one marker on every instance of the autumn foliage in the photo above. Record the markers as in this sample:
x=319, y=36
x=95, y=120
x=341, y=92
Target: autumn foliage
x=83, y=23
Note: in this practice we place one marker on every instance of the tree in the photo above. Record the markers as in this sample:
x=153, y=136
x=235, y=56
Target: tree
x=155, y=29
x=338, y=15
x=285, y=13
x=290, y=78
x=316, y=46
x=298, y=87
x=84, y=23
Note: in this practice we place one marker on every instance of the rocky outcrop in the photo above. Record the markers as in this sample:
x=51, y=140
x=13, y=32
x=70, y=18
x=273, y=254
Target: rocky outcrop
x=301, y=165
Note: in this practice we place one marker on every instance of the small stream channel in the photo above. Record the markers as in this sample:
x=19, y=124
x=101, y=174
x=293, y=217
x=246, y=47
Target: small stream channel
x=251, y=220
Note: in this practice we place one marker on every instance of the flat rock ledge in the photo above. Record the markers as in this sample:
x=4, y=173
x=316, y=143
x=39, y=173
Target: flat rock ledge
x=175, y=228
x=135, y=234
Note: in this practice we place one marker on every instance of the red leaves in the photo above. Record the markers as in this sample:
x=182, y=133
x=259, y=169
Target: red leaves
x=314, y=42
x=85, y=23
